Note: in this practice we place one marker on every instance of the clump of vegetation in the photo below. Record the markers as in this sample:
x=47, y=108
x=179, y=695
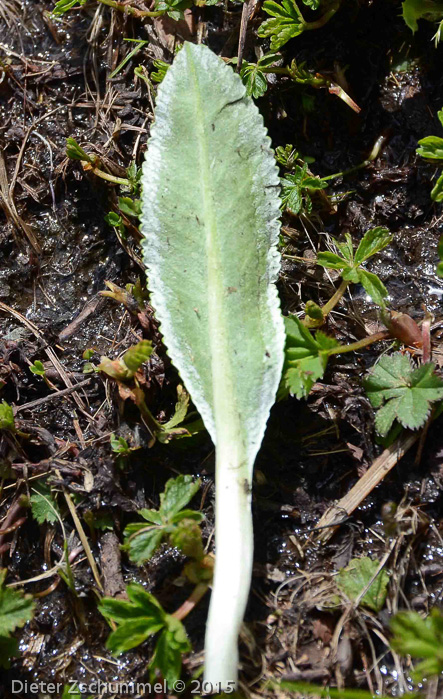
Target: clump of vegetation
x=431, y=148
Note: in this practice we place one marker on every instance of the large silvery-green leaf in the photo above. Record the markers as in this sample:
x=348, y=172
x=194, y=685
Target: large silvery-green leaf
x=210, y=220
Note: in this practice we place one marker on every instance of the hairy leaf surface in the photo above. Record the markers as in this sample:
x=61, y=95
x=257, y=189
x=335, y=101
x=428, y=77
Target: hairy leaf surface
x=210, y=211
x=210, y=221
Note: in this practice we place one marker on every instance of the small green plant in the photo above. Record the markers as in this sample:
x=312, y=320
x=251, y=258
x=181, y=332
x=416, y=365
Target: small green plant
x=38, y=369
x=161, y=68
x=431, y=148
x=43, y=504
x=399, y=392
x=171, y=522
x=306, y=358
x=349, y=263
x=220, y=317
x=420, y=638
x=431, y=10
x=126, y=367
x=140, y=617
x=254, y=74
x=297, y=189
x=7, y=417
x=15, y=610
x=288, y=22
x=119, y=445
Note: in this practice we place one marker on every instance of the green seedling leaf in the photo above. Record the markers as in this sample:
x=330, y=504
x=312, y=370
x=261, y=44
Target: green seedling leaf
x=353, y=579
x=119, y=445
x=285, y=24
x=431, y=147
x=420, y=638
x=76, y=152
x=253, y=75
x=437, y=190
x=63, y=6
x=173, y=8
x=130, y=207
x=181, y=408
x=413, y=10
x=142, y=540
x=178, y=492
x=167, y=658
x=287, y=156
x=254, y=79
x=187, y=537
x=15, y=607
x=372, y=242
x=37, y=368
x=127, y=366
x=306, y=358
x=159, y=73
x=140, y=617
x=6, y=417
x=211, y=231
x=400, y=392
x=43, y=506
x=297, y=188
x=137, y=355
x=373, y=286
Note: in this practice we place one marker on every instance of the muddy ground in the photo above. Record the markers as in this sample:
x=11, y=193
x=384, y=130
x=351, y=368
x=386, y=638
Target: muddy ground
x=57, y=252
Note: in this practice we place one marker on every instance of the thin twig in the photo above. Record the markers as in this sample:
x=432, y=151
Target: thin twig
x=47, y=399
x=379, y=469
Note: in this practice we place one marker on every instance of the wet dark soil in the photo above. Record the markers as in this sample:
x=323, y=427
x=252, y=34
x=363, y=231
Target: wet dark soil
x=57, y=252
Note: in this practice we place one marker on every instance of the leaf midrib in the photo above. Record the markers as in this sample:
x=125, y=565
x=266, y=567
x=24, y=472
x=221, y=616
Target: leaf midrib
x=225, y=409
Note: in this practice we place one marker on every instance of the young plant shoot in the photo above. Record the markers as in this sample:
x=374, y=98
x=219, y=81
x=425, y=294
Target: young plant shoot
x=210, y=209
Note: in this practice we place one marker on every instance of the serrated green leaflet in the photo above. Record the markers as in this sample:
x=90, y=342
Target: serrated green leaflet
x=359, y=572
x=210, y=220
x=15, y=608
x=142, y=540
x=43, y=506
x=401, y=392
x=420, y=638
x=306, y=358
x=372, y=242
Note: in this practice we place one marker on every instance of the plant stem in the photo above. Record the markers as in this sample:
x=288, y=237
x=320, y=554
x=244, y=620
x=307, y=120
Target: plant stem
x=371, y=157
x=194, y=598
x=327, y=308
x=130, y=10
x=365, y=163
x=110, y=178
x=354, y=346
x=233, y=562
x=323, y=19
